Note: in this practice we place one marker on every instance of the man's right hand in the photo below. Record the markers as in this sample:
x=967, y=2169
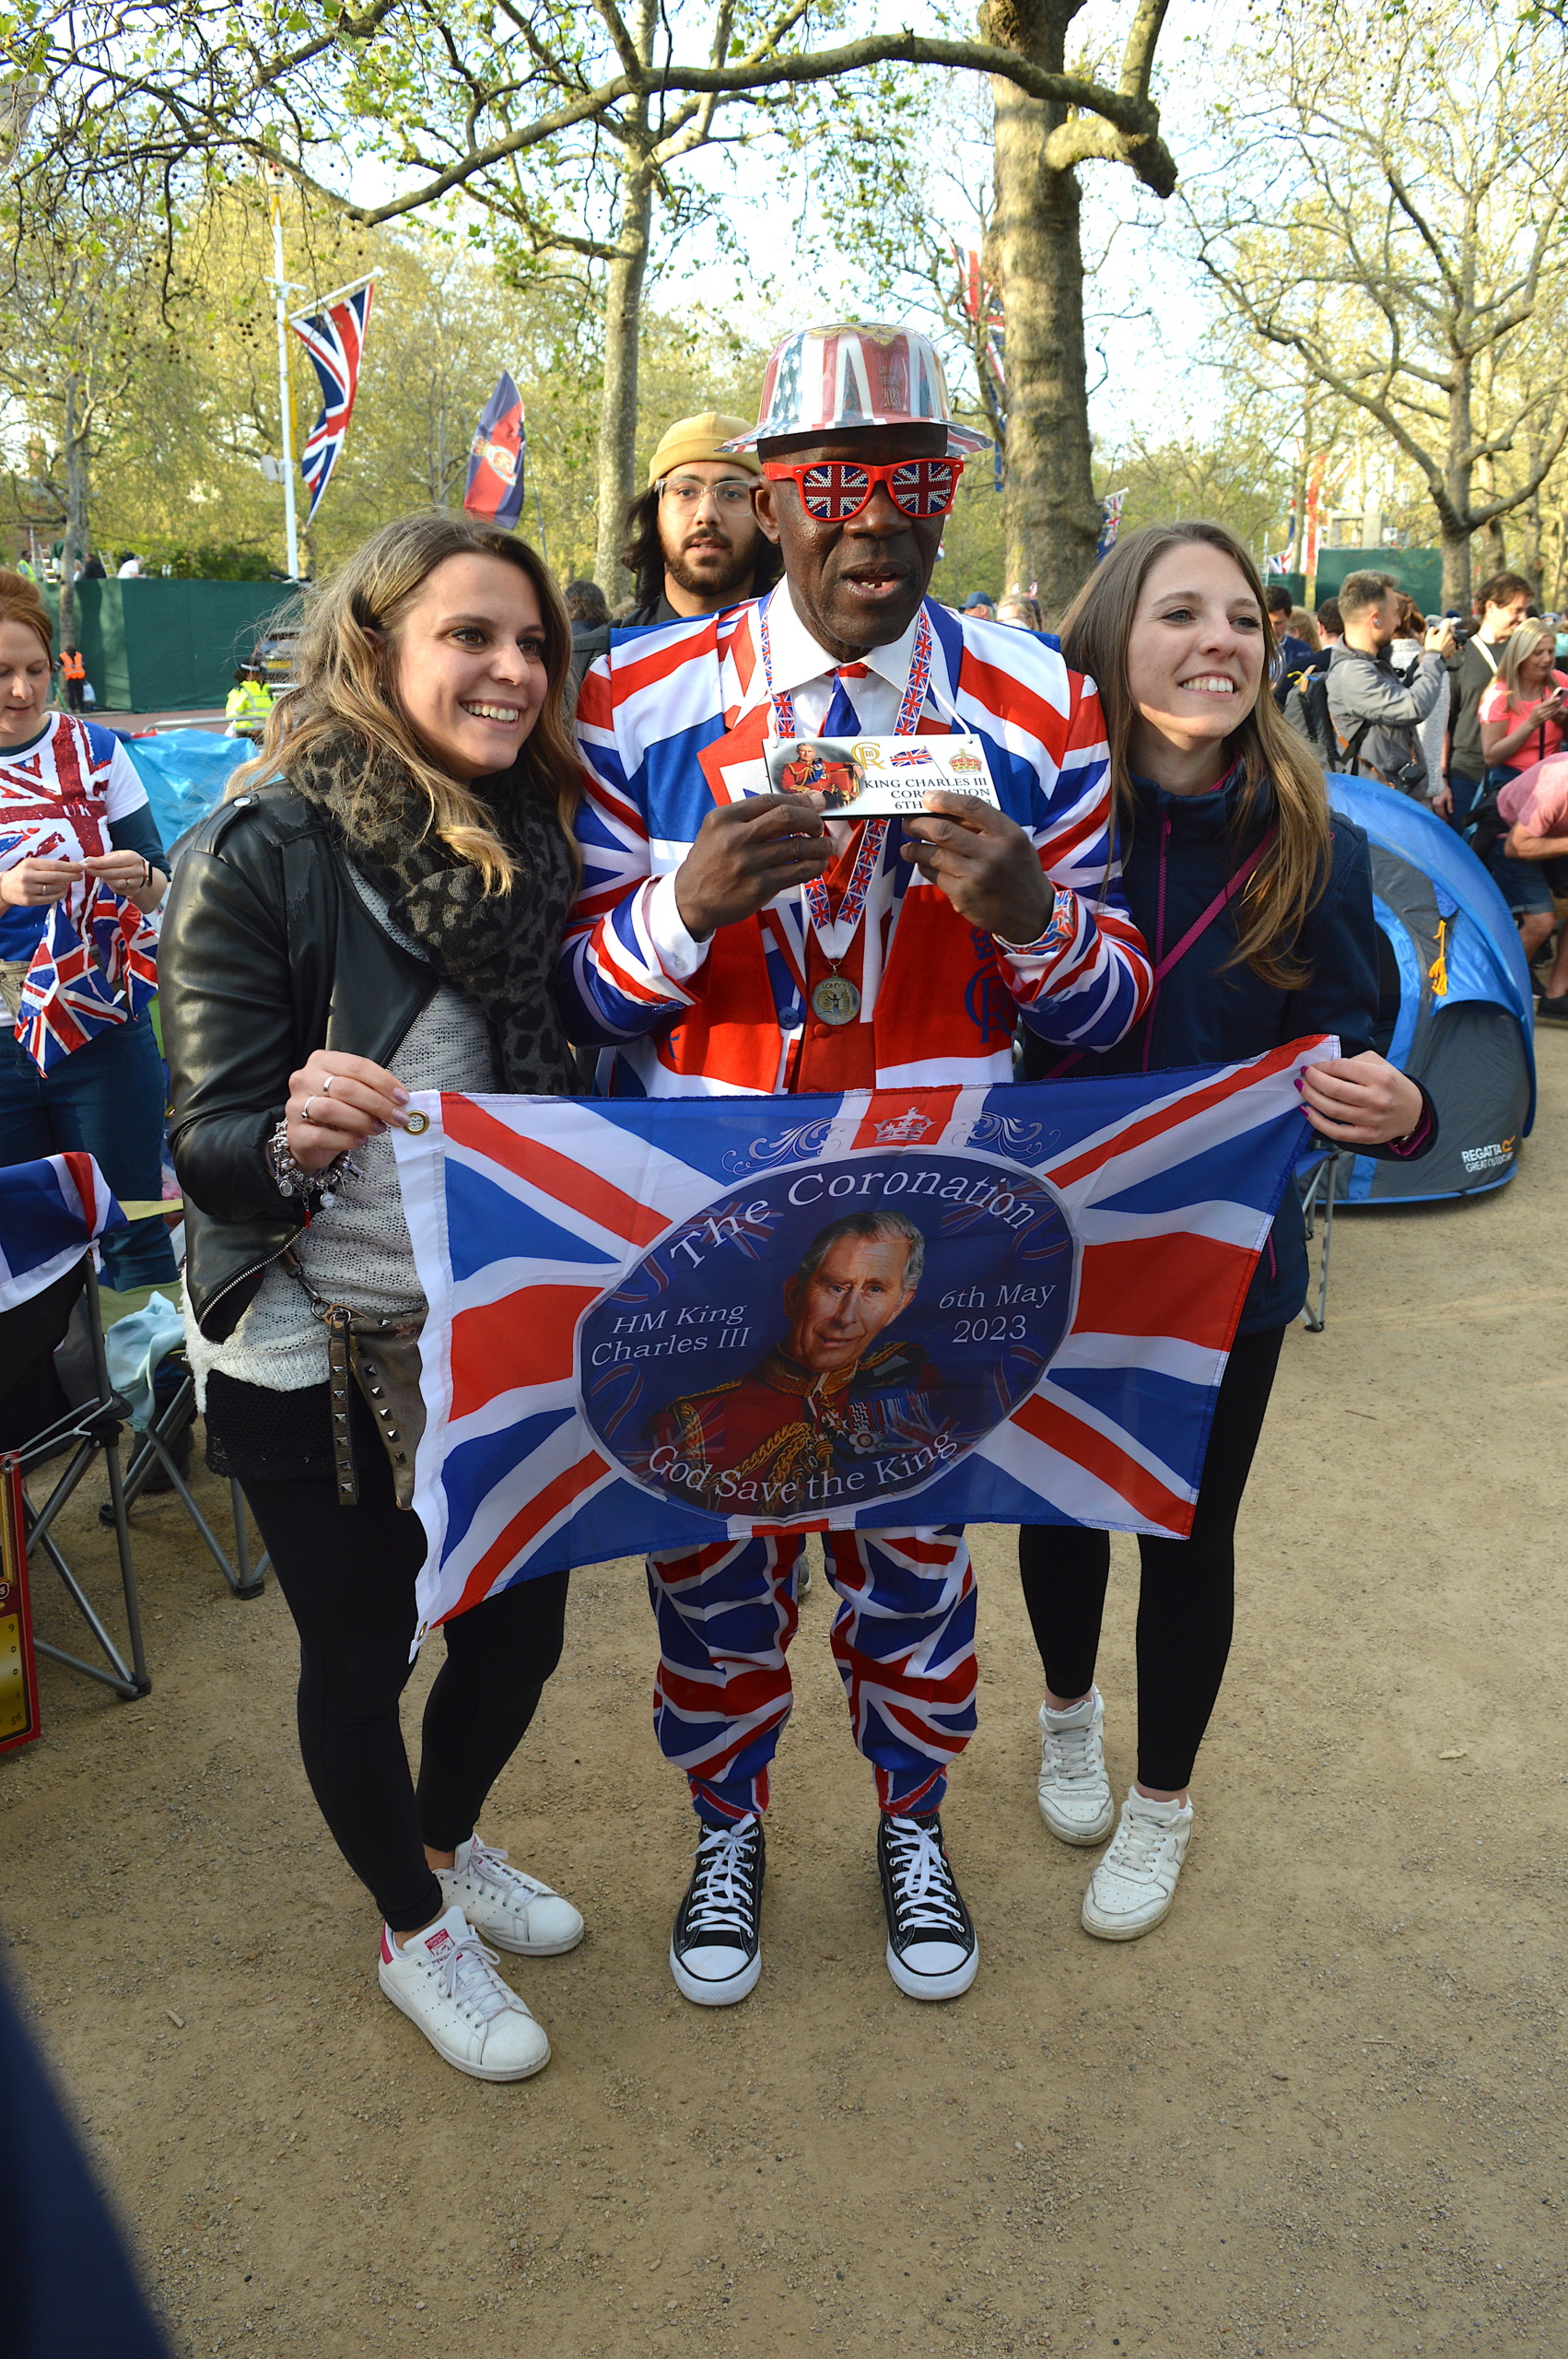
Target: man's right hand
x=1439, y=640
x=745, y=855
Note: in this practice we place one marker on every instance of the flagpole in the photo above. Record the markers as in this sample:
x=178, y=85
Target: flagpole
x=284, y=406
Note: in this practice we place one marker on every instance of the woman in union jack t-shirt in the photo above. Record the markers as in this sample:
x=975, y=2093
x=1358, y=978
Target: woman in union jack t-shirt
x=81, y=870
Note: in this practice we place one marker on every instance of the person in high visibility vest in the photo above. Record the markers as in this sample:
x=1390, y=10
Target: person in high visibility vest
x=249, y=702
x=74, y=673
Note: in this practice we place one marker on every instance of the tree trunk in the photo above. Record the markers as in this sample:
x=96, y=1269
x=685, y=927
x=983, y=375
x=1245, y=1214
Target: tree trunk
x=618, y=417
x=1458, y=475
x=76, y=456
x=1034, y=259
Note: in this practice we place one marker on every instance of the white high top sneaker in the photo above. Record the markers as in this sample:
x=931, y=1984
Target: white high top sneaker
x=444, y=1980
x=1075, y=1793
x=1134, y=1884
x=515, y=1911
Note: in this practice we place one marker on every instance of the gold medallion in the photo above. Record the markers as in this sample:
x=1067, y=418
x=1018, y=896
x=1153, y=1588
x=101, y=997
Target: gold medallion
x=836, y=1000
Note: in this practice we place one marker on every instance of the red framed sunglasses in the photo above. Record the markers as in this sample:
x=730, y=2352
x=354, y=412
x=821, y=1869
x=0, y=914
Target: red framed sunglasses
x=832, y=490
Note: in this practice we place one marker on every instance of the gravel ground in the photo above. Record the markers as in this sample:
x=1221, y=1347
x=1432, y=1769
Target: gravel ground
x=1319, y=2110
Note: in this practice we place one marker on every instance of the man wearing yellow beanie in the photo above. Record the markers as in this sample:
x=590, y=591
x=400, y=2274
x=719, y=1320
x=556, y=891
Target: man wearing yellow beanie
x=693, y=544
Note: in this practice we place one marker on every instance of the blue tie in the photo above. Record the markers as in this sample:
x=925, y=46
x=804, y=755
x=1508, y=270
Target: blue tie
x=842, y=719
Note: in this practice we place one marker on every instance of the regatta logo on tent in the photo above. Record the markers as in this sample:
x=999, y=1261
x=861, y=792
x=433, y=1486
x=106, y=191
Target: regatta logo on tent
x=1487, y=1158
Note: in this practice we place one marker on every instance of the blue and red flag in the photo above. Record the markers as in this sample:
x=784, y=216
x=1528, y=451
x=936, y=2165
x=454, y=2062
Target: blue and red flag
x=50, y=1213
x=494, y=466
x=620, y=1353
x=79, y=983
x=335, y=342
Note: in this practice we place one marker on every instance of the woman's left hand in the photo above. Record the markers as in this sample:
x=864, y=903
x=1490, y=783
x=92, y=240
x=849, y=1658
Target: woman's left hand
x=1360, y=1101
x=126, y=873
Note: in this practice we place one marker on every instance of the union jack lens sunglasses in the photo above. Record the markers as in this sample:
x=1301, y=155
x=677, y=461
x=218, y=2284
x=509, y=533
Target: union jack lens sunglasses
x=832, y=490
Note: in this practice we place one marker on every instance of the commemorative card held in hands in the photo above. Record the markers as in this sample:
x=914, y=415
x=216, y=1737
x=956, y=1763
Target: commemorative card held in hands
x=877, y=778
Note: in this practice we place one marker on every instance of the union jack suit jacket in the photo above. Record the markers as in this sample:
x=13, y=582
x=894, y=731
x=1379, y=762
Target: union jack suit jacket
x=675, y=722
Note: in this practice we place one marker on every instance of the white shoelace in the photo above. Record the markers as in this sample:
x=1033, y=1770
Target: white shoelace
x=923, y=1881
x=1070, y=1752
x=1139, y=1843
x=465, y=1976
x=485, y=1866
x=721, y=1897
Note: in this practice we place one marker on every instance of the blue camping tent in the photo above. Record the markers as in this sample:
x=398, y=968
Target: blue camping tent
x=185, y=772
x=1456, y=1011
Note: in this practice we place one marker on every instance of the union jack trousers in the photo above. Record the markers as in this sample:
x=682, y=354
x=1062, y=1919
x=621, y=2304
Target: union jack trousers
x=903, y=1638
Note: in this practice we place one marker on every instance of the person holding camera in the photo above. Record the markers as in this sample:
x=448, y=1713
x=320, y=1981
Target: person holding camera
x=1376, y=710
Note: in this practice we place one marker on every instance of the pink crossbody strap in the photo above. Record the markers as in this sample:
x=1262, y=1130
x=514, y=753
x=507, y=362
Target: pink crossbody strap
x=1199, y=927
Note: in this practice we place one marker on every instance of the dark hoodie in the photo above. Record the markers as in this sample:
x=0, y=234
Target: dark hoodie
x=1180, y=855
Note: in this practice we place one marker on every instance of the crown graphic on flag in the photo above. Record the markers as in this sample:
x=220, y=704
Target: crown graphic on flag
x=495, y=467
x=335, y=338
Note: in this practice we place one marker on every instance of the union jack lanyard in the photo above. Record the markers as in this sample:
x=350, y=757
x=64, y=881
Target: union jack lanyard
x=836, y=931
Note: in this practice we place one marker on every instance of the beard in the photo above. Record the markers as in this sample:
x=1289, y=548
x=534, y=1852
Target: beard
x=724, y=566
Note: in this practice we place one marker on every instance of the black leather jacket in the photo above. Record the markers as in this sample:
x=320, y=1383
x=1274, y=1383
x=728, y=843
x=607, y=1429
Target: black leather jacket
x=268, y=951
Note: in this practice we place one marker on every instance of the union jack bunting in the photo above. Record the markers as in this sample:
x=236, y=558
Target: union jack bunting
x=50, y=1212
x=79, y=983
x=335, y=342
x=619, y=1350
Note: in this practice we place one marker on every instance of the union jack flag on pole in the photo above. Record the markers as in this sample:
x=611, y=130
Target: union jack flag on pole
x=622, y=1351
x=50, y=1211
x=335, y=338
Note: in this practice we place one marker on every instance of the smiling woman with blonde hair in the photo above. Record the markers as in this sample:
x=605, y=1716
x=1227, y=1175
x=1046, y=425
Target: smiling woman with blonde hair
x=374, y=911
x=1255, y=899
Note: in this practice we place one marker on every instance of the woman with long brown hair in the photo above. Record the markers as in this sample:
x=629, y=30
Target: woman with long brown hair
x=1256, y=902
x=374, y=910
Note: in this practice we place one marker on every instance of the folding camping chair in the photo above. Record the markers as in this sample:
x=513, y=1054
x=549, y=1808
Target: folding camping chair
x=1317, y=1179
x=83, y=1431
x=155, y=1446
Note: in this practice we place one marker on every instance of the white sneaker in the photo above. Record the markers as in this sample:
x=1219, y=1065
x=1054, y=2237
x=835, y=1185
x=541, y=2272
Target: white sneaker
x=444, y=1980
x=515, y=1911
x=1075, y=1793
x=1134, y=1884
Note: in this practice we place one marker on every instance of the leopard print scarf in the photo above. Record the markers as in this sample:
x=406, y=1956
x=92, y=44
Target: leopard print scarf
x=496, y=948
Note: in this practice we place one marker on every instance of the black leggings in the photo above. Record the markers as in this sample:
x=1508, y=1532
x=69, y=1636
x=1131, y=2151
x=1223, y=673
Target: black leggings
x=1186, y=1598
x=348, y=1576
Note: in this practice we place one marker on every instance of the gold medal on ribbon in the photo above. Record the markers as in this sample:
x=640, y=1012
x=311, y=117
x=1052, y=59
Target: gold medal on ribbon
x=836, y=1000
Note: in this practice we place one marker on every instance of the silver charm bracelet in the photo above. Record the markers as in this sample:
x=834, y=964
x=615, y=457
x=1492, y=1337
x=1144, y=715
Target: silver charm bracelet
x=317, y=1189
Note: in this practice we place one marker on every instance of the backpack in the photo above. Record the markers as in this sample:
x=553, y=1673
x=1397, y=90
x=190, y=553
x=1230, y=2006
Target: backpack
x=1306, y=712
x=1485, y=827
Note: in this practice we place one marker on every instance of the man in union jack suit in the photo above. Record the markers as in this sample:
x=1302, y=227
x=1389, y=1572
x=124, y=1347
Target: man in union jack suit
x=728, y=940
x=830, y=1404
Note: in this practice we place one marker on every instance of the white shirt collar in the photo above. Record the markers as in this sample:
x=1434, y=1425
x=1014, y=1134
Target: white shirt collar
x=797, y=658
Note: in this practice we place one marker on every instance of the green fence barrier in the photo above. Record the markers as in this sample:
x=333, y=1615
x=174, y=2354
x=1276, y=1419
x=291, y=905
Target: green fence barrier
x=1419, y=572
x=155, y=646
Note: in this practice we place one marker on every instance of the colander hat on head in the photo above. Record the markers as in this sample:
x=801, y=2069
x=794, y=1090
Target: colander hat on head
x=828, y=381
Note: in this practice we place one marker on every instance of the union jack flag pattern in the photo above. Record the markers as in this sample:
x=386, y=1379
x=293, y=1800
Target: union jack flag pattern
x=50, y=1212
x=676, y=721
x=77, y=986
x=335, y=342
x=607, y=1363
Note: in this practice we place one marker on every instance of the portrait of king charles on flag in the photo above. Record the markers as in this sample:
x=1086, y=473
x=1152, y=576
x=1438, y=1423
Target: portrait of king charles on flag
x=836, y=1406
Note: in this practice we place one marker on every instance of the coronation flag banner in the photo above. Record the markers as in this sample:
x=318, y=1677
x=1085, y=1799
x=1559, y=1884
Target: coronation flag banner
x=637, y=1335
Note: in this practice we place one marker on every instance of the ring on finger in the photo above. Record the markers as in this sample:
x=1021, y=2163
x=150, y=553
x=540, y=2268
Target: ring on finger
x=326, y=1085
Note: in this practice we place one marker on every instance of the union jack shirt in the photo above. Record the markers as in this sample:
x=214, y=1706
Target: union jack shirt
x=676, y=721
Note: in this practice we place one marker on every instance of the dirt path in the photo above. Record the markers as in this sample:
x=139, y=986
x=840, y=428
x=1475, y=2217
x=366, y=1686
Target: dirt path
x=1321, y=2109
